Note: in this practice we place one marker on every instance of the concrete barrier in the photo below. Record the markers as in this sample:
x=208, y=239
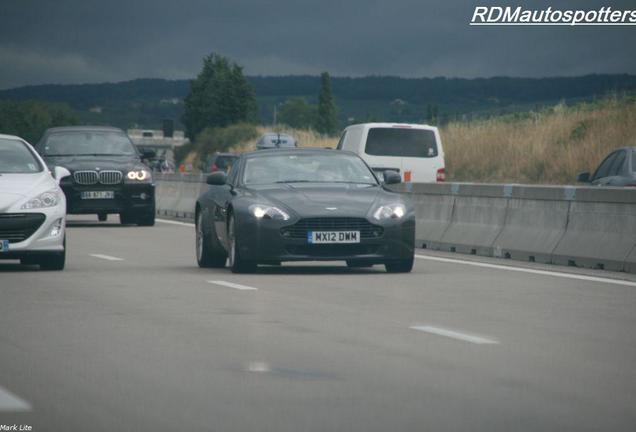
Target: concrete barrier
x=536, y=219
x=577, y=226
x=475, y=224
x=177, y=194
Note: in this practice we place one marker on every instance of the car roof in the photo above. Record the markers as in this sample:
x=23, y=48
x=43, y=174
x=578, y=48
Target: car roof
x=295, y=150
x=275, y=134
x=84, y=129
x=13, y=137
x=394, y=125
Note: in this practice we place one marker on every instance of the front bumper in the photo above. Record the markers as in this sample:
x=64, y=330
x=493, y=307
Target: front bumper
x=262, y=241
x=135, y=198
x=41, y=241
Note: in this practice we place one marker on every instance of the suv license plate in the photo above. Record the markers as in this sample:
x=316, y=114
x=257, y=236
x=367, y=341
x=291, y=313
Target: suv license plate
x=98, y=195
x=331, y=237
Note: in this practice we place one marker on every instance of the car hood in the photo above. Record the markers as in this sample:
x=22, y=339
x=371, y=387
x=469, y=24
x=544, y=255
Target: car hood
x=315, y=200
x=18, y=187
x=80, y=163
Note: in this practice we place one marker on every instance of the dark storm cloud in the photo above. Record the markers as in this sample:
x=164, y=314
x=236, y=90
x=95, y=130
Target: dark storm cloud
x=86, y=41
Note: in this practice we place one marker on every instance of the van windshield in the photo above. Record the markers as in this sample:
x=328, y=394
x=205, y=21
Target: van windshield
x=401, y=142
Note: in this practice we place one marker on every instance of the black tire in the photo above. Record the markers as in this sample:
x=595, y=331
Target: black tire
x=53, y=261
x=127, y=218
x=237, y=263
x=147, y=219
x=207, y=255
x=358, y=264
x=102, y=217
x=399, y=266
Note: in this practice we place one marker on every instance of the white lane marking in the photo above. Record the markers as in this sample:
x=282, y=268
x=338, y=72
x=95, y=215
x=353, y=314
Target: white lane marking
x=233, y=285
x=168, y=221
x=454, y=334
x=258, y=367
x=527, y=270
x=10, y=402
x=106, y=257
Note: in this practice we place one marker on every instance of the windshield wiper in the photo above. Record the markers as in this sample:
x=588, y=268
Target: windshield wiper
x=297, y=181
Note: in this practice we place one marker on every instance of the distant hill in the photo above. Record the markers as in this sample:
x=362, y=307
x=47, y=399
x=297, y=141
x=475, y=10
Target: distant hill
x=145, y=102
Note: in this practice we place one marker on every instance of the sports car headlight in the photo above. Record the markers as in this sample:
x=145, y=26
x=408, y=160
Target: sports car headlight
x=393, y=211
x=139, y=175
x=261, y=211
x=46, y=199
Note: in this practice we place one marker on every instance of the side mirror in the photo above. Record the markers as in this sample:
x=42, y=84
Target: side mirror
x=392, y=177
x=584, y=177
x=218, y=178
x=60, y=172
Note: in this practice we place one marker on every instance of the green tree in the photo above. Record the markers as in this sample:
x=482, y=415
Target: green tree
x=326, y=122
x=220, y=96
x=29, y=119
x=297, y=113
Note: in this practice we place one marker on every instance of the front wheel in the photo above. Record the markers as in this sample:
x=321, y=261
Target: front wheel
x=206, y=254
x=399, y=266
x=54, y=260
x=147, y=219
x=237, y=263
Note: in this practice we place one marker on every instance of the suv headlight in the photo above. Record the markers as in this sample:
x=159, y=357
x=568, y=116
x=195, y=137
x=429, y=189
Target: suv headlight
x=46, y=199
x=392, y=211
x=262, y=211
x=140, y=175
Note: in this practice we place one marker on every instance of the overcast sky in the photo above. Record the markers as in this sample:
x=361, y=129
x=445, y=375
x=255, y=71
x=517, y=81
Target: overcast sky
x=78, y=41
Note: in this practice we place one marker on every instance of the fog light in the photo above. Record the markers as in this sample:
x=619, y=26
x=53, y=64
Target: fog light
x=56, y=228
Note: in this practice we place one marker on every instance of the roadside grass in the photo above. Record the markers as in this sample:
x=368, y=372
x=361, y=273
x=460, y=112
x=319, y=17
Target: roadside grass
x=547, y=147
x=550, y=146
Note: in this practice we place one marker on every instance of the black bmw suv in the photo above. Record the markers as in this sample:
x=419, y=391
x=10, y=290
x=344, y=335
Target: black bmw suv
x=107, y=173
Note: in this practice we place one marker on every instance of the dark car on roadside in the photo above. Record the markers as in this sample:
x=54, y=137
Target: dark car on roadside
x=220, y=162
x=303, y=205
x=617, y=169
x=107, y=172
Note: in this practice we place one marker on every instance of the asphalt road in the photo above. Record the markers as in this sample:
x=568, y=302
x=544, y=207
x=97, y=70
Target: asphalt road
x=134, y=336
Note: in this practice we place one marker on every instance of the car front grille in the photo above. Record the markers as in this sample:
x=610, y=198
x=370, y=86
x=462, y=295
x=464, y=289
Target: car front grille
x=107, y=177
x=110, y=177
x=332, y=250
x=299, y=229
x=17, y=227
x=86, y=177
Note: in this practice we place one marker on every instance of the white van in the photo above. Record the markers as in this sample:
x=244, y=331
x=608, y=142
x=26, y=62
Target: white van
x=413, y=150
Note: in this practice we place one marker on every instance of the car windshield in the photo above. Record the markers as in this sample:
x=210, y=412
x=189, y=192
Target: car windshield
x=16, y=158
x=305, y=168
x=88, y=143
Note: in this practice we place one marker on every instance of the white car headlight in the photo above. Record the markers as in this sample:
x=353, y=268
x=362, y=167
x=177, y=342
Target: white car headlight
x=46, y=199
x=393, y=211
x=139, y=175
x=262, y=211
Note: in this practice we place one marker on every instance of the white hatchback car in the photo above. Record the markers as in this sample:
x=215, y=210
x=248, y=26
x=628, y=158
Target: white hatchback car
x=32, y=207
x=413, y=150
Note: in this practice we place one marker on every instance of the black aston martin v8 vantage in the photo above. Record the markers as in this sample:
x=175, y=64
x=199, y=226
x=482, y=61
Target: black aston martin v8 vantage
x=303, y=205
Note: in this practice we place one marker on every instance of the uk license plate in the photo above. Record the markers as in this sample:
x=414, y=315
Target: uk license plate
x=98, y=195
x=331, y=237
x=4, y=246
